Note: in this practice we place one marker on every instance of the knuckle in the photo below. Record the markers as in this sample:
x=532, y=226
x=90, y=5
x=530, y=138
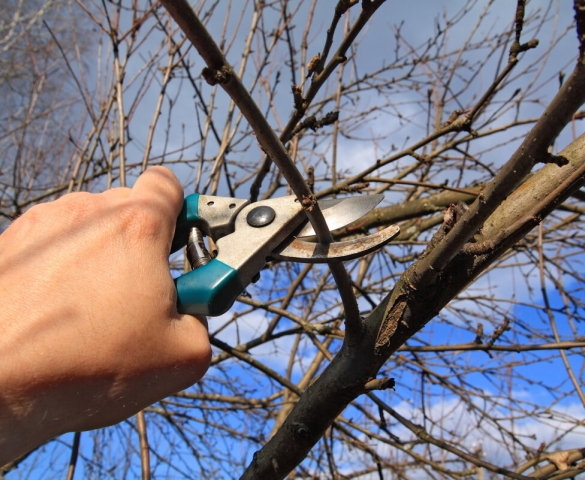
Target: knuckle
x=26, y=225
x=70, y=209
x=77, y=206
x=33, y=216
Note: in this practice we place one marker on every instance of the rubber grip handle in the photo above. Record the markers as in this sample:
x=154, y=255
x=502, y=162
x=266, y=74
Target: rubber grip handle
x=209, y=290
x=187, y=219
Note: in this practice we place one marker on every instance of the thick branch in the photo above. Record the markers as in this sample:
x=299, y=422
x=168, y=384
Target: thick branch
x=534, y=149
x=402, y=313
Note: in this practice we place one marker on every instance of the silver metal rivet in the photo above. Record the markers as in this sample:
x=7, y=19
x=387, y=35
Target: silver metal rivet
x=260, y=216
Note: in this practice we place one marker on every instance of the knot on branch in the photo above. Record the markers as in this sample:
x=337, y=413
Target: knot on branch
x=380, y=384
x=556, y=159
x=308, y=203
x=458, y=121
x=499, y=331
x=298, y=98
x=324, y=329
x=517, y=48
x=481, y=248
x=314, y=65
x=419, y=158
x=214, y=77
x=344, y=5
x=452, y=214
x=479, y=334
x=314, y=124
x=300, y=430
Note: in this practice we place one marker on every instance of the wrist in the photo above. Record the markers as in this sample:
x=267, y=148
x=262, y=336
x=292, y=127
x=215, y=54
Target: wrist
x=26, y=409
x=22, y=426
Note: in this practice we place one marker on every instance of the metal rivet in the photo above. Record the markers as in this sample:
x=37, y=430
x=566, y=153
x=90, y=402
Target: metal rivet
x=260, y=216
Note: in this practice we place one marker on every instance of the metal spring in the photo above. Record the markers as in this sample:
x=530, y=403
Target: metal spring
x=197, y=253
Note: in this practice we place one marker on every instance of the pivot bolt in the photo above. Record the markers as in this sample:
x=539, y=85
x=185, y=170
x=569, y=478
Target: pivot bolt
x=260, y=216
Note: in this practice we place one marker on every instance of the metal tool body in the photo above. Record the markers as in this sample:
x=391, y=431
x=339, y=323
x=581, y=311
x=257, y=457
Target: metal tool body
x=245, y=235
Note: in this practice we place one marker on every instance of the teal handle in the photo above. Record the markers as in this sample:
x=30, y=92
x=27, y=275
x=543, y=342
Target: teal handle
x=209, y=290
x=187, y=219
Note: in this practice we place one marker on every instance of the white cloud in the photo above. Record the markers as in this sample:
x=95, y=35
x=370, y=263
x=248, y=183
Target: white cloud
x=275, y=353
x=559, y=430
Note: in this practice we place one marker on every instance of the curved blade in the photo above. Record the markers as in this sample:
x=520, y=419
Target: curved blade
x=307, y=252
x=341, y=212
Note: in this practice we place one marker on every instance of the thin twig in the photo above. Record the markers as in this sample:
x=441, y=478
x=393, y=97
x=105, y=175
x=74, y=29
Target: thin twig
x=144, y=448
x=426, y=437
x=74, y=456
x=552, y=321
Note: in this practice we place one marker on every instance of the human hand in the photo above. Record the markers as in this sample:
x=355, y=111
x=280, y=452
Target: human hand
x=89, y=330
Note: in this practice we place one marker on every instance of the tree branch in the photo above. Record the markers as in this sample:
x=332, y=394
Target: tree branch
x=220, y=71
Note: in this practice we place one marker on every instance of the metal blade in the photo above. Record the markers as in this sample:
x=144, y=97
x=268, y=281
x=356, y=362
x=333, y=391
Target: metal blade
x=341, y=212
x=307, y=252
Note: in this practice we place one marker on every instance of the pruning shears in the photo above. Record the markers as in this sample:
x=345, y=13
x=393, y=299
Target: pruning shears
x=246, y=234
